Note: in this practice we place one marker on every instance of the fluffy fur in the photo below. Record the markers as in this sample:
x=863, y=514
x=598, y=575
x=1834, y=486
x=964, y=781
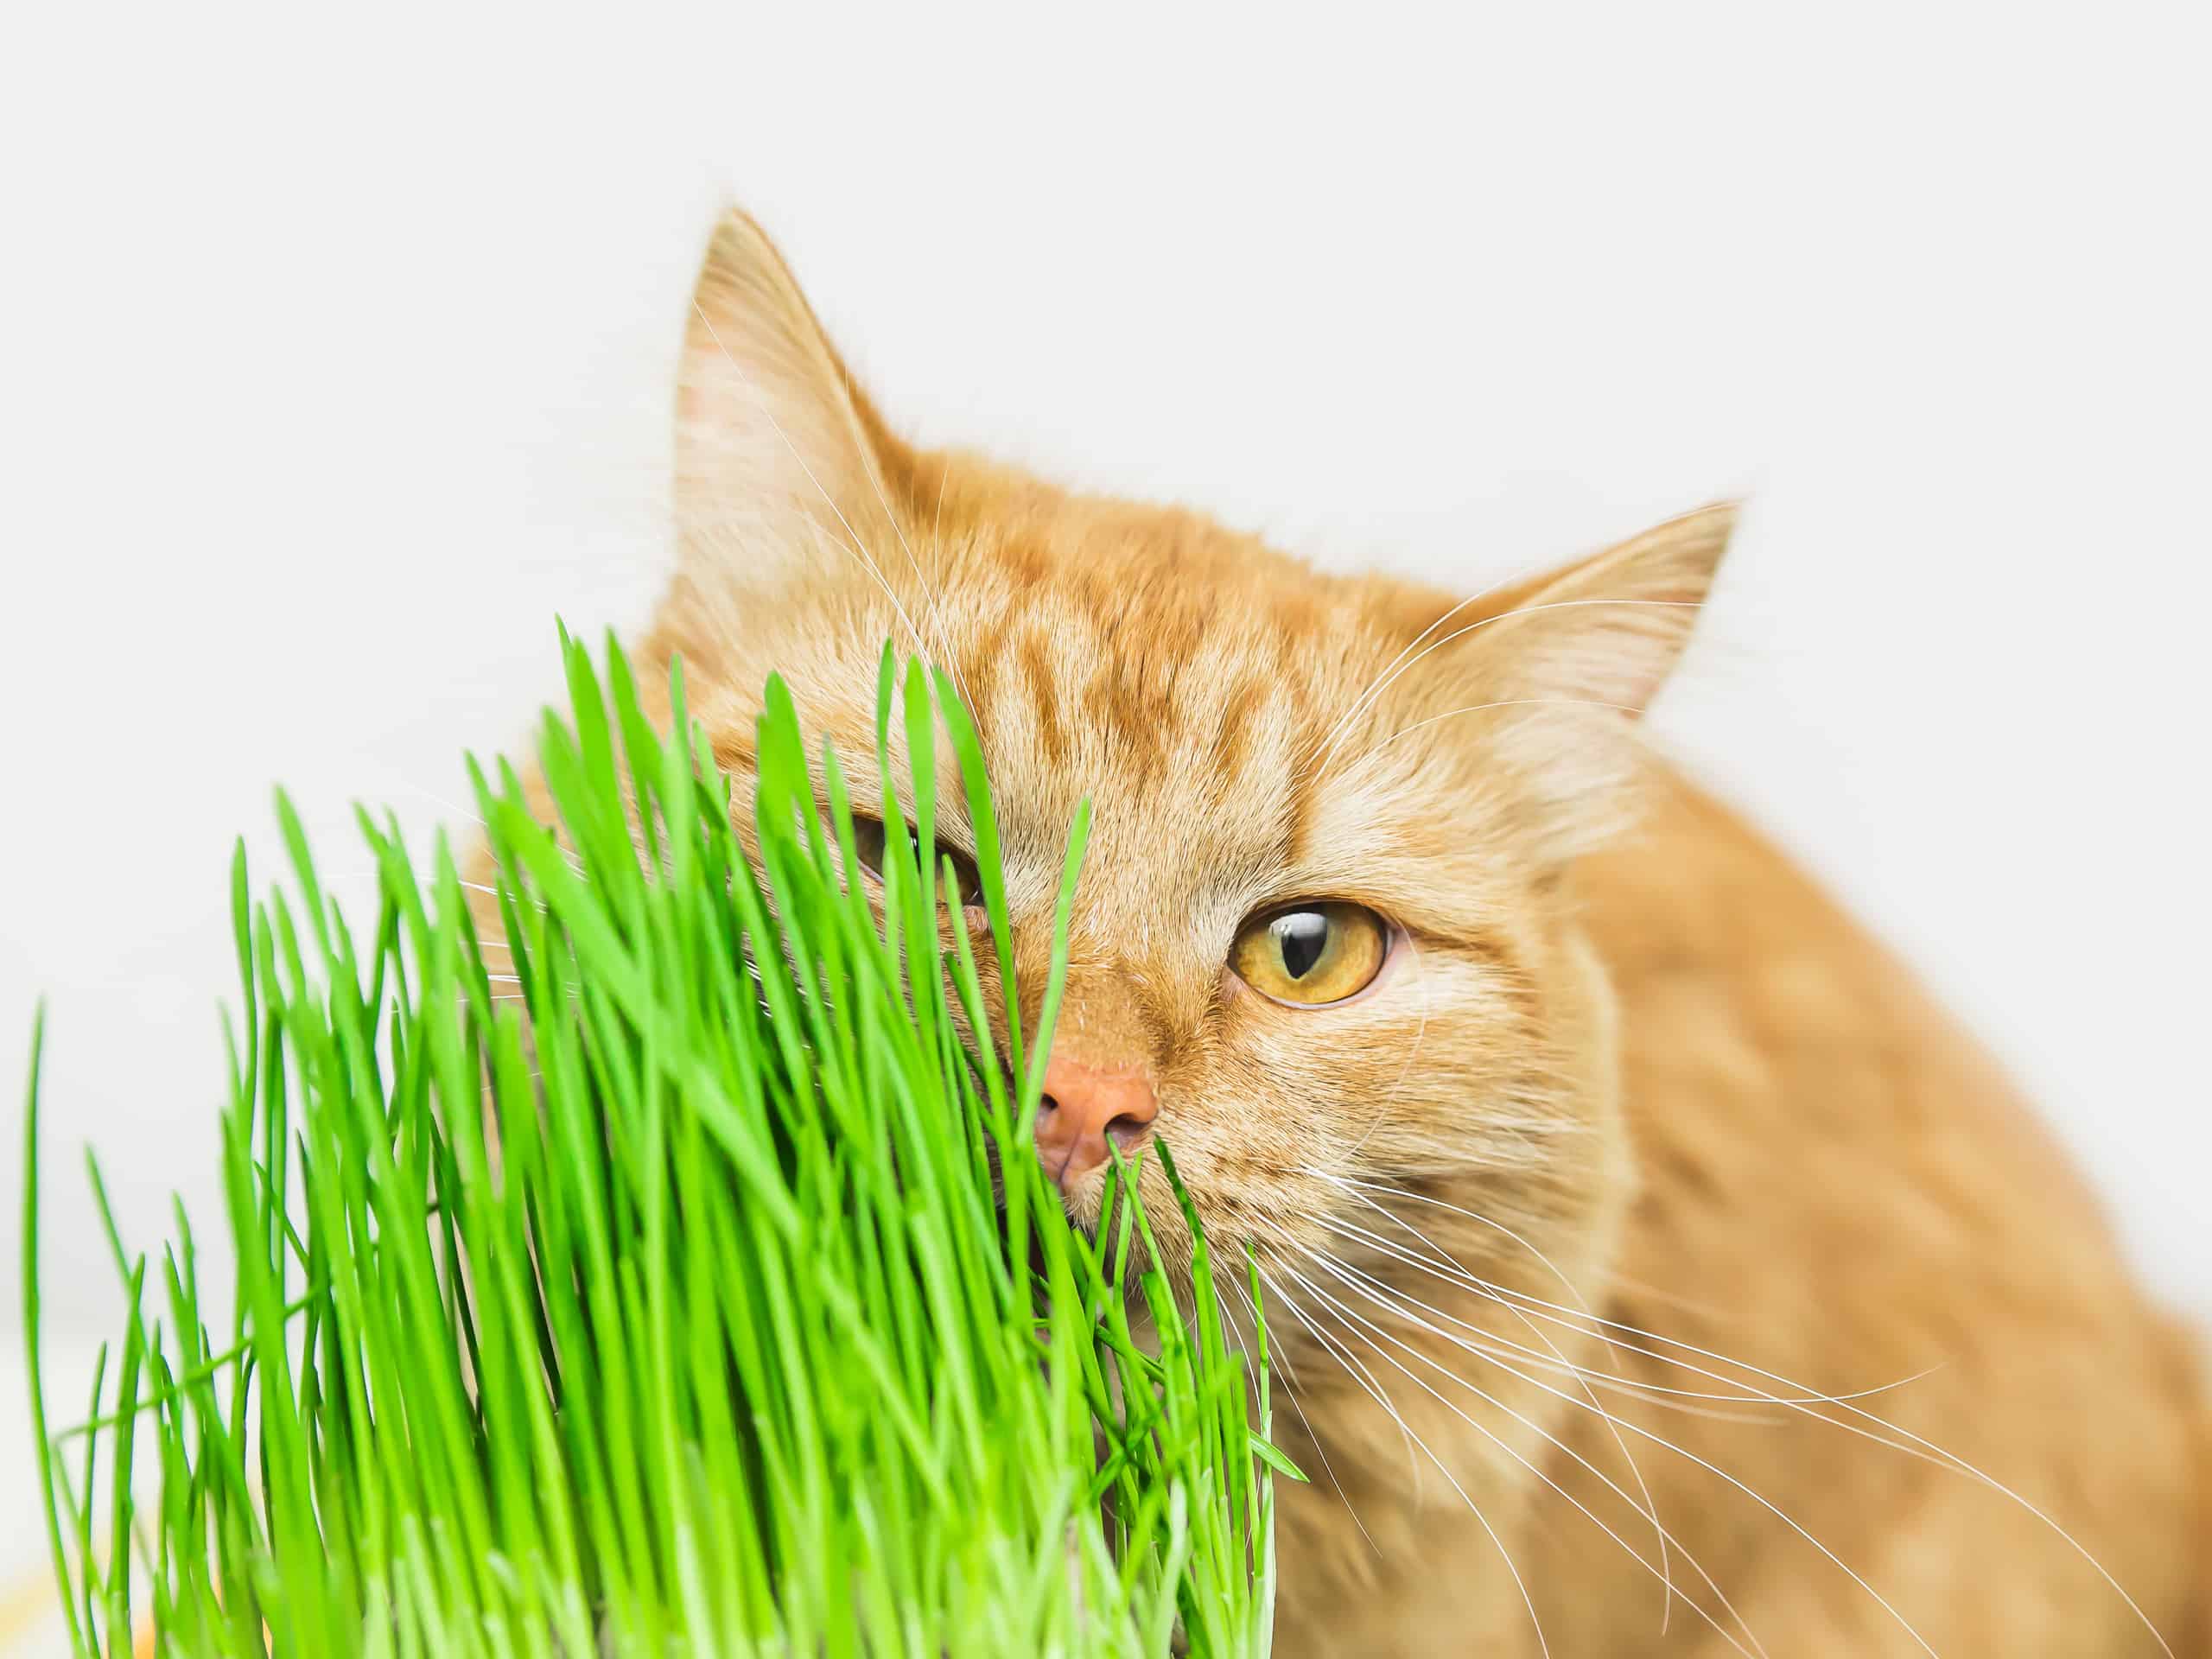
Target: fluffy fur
x=1585, y=1233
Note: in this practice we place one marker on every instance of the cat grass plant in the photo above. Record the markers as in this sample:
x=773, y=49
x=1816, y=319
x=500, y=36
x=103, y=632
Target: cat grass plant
x=672, y=1275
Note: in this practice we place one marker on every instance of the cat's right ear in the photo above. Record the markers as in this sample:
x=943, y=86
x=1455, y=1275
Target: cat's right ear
x=779, y=461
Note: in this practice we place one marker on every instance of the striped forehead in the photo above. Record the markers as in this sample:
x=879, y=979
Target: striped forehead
x=1189, y=717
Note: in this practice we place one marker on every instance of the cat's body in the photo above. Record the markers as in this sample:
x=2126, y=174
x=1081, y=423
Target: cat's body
x=1621, y=1070
x=1834, y=1185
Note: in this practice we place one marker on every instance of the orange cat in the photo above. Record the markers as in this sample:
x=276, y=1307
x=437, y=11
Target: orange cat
x=1652, y=1269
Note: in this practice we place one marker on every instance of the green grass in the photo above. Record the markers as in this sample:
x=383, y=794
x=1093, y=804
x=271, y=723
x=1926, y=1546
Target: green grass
x=673, y=1273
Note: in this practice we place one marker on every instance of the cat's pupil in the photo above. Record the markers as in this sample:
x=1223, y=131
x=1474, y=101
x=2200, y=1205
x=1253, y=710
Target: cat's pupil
x=1301, y=936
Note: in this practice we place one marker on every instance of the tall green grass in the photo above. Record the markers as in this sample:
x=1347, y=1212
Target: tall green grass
x=672, y=1275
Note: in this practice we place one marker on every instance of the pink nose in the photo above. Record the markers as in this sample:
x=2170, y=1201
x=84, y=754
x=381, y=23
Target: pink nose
x=1084, y=1105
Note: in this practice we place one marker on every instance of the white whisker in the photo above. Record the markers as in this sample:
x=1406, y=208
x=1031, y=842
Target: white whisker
x=1345, y=1312
x=1287, y=1377
x=1360, y=1375
x=1921, y=1447
x=1483, y=1288
x=1548, y=1265
x=1650, y=1505
x=1349, y=1360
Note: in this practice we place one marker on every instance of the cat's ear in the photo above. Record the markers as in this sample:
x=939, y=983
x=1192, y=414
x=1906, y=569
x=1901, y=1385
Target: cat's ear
x=780, y=459
x=1569, y=661
x=1608, y=629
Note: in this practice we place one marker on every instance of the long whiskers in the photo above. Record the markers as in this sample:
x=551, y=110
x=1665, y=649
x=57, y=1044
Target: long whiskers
x=1368, y=1289
x=1357, y=1186
x=1802, y=1399
x=1350, y=1362
x=1915, y=1446
x=1465, y=1281
x=1359, y=1373
x=1764, y=1502
x=1287, y=1377
x=1649, y=1505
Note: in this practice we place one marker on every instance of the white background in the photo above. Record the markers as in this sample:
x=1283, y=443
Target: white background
x=335, y=359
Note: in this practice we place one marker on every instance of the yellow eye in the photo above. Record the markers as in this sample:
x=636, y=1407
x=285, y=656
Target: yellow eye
x=1311, y=954
x=870, y=839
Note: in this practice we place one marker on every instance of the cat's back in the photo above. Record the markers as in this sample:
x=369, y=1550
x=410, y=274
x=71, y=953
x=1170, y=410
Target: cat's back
x=1838, y=1186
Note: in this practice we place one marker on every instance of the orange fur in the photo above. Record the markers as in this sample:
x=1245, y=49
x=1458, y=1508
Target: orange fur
x=1628, y=1065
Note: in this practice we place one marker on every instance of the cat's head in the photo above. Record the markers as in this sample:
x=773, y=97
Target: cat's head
x=1323, y=940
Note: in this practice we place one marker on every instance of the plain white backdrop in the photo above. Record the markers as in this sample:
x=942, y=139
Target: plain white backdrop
x=335, y=356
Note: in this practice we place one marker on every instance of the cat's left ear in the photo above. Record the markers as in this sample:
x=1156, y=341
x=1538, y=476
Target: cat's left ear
x=1609, y=629
x=1568, y=662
